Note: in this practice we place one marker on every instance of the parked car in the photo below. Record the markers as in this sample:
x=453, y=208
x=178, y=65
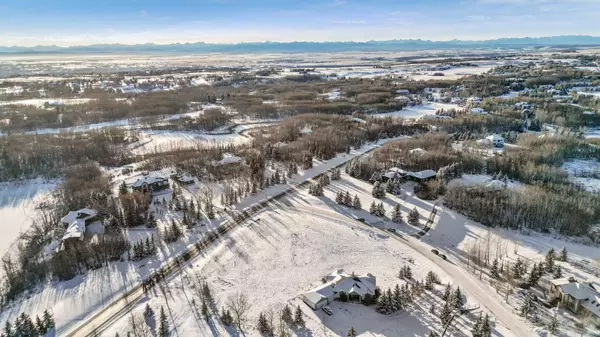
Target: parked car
x=327, y=310
x=435, y=251
x=443, y=257
x=391, y=230
x=361, y=220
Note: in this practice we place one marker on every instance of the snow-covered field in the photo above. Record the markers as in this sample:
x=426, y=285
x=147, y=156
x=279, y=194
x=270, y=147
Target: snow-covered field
x=419, y=110
x=450, y=74
x=585, y=173
x=484, y=180
x=18, y=201
x=51, y=101
x=161, y=141
x=286, y=250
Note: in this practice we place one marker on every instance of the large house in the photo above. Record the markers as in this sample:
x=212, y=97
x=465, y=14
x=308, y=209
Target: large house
x=580, y=298
x=398, y=173
x=78, y=224
x=496, y=140
x=356, y=287
x=150, y=183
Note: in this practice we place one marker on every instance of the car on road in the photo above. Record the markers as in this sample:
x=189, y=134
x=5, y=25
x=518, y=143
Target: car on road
x=327, y=310
x=392, y=230
x=443, y=257
x=435, y=251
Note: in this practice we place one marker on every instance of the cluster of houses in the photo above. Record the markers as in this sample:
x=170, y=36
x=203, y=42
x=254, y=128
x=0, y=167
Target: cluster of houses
x=358, y=288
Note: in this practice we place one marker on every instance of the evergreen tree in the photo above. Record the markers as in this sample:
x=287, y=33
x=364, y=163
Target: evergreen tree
x=39, y=325
x=430, y=279
x=517, y=268
x=562, y=254
x=339, y=198
x=380, y=210
x=447, y=293
x=558, y=272
x=549, y=263
x=351, y=332
x=298, y=318
x=533, y=276
x=226, y=318
x=378, y=190
x=494, y=271
x=477, y=327
x=389, y=303
x=413, y=217
x=347, y=199
x=263, y=325
x=151, y=221
x=356, y=202
x=148, y=313
x=446, y=314
x=528, y=308
x=486, y=327
x=457, y=299
x=373, y=208
x=397, y=298
x=163, y=324
x=432, y=333
x=397, y=214
x=8, y=330
x=286, y=314
x=381, y=304
x=48, y=320
x=123, y=188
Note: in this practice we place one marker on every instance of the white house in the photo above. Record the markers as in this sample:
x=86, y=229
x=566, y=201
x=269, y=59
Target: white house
x=78, y=223
x=496, y=140
x=356, y=287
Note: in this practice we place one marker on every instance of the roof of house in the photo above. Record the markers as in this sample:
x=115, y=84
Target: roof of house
x=148, y=180
x=586, y=293
x=495, y=137
x=82, y=214
x=478, y=110
x=338, y=281
x=423, y=174
x=228, y=158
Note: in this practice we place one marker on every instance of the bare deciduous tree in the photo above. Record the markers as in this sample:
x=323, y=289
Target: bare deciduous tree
x=239, y=306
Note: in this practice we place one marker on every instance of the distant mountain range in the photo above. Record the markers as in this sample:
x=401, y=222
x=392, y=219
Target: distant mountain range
x=265, y=47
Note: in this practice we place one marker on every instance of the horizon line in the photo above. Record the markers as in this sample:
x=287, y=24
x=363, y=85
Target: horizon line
x=301, y=41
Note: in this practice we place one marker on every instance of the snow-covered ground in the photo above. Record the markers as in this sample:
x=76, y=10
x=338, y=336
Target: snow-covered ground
x=419, y=110
x=450, y=74
x=286, y=250
x=585, y=173
x=51, y=101
x=484, y=180
x=18, y=201
x=77, y=299
x=161, y=140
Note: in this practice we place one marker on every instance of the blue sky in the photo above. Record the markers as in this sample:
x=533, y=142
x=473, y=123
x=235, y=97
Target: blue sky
x=77, y=22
